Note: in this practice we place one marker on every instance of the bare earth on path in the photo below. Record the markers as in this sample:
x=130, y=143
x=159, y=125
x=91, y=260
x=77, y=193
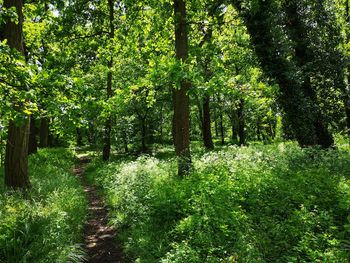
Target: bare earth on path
x=100, y=239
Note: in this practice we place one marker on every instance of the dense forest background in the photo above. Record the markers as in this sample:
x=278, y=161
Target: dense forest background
x=203, y=115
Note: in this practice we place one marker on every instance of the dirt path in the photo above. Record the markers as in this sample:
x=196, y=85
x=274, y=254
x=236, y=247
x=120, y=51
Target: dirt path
x=100, y=242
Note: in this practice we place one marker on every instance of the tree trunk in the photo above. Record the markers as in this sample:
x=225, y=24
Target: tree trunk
x=108, y=125
x=161, y=125
x=276, y=62
x=32, y=145
x=298, y=33
x=92, y=135
x=125, y=141
x=44, y=133
x=143, y=135
x=234, y=132
x=347, y=89
x=180, y=96
x=258, y=130
x=79, y=137
x=347, y=110
x=216, y=123
x=222, y=131
x=53, y=140
x=207, y=137
x=241, y=131
x=272, y=127
x=16, y=156
x=200, y=116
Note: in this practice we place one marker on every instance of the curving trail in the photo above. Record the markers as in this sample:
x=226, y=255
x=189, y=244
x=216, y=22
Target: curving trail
x=100, y=239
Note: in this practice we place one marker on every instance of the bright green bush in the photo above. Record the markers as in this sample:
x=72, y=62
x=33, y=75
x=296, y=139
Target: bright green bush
x=45, y=225
x=275, y=203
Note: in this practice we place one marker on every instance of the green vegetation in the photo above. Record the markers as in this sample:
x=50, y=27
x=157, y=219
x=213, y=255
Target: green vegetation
x=45, y=223
x=221, y=128
x=275, y=203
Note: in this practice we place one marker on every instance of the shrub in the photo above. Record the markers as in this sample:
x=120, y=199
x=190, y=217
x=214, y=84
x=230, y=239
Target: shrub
x=276, y=203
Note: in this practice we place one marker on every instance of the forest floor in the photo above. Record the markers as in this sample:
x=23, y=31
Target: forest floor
x=100, y=239
x=262, y=203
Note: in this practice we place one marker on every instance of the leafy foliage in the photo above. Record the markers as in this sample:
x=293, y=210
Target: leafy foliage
x=275, y=203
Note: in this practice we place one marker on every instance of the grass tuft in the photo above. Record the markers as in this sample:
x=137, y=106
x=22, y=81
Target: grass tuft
x=45, y=225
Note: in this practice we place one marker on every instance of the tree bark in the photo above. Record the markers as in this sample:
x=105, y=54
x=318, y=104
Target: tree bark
x=222, y=130
x=44, y=132
x=258, y=130
x=241, y=121
x=206, y=122
x=16, y=156
x=216, y=123
x=180, y=96
x=143, y=134
x=207, y=136
x=347, y=89
x=301, y=111
x=33, y=144
x=108, y=126
x=79, y=137
x=234, y=125
x=298, y=33
x=200, y=115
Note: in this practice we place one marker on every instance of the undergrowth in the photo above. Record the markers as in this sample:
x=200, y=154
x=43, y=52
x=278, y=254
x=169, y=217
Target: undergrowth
x=275, y=203
x=44, y=225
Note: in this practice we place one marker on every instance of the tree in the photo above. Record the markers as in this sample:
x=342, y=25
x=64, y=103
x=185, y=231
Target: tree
x=16, y=157
x=181, y=105
x=108, y=125
x=280, y=51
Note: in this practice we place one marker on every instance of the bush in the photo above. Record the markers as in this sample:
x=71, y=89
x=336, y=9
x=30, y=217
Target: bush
x=46, y=224
x=276, y=203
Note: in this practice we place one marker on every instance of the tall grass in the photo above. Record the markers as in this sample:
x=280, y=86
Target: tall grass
x=45, y=225
x=275, y=203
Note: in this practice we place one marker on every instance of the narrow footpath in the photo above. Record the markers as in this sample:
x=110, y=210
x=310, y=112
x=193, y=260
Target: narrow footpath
x=100, y=239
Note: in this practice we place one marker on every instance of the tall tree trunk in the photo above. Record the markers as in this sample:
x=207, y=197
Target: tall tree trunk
x=272, y=128
x=32, y=145
x=241, y=121
x=92, y=135
x=222, y=130
x=347, y=88
x=258, y=130
x=298, y=34
x=207, y=137
x=161, y=124
x=16, y=156
x=79, y=137
x=53, y=139
x=200, y=115
x=206, y=122
x=347, y=110
x=44, y=132
x=301, y=110
x=216, y=125
x=108, y=125
x=296, y=30
x=125, y=141
x=143, y=134
x=234, y=126
x=180, y=96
